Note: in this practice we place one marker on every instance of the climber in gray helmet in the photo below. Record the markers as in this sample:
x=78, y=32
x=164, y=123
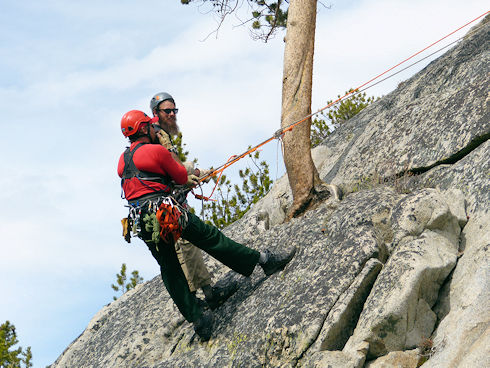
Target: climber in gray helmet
x=162, y=106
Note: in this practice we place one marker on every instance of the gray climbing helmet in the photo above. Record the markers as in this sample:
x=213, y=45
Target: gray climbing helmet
x=160, y=97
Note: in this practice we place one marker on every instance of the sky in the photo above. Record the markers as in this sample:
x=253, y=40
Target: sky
x=70, y=69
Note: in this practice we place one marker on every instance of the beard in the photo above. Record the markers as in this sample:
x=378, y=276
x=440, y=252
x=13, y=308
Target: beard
x=171, y=127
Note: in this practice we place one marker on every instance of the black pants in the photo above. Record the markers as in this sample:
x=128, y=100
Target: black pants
x=232, y=254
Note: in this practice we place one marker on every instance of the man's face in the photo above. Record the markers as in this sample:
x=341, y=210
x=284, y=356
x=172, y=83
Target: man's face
x=153, y=134
x=167, y=120
x=149, y=131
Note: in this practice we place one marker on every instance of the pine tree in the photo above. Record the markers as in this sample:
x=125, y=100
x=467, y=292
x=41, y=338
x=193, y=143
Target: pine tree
x=12, y=358
x=234, y=200
x=267, y=16
x=121, y=284
x=337, y=115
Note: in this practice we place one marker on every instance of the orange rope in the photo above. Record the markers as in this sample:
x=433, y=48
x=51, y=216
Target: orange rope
x=281, y=131
x=198, y=196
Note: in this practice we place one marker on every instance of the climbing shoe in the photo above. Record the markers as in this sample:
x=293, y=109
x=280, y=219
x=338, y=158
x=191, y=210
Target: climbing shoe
x=201, y=303
x=277, y=261
x=221, y=291
x=203, y=327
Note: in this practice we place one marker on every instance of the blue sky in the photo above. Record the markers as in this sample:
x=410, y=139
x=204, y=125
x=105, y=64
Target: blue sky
x=70, y=69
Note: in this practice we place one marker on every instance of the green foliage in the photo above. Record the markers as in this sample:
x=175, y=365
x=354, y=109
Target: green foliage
x=233, y=201
x=319, y=131
x=337, y=115
x=121, y=284
x=152, y=225
x=267, y=15
x=180, y=146
x=12, y=358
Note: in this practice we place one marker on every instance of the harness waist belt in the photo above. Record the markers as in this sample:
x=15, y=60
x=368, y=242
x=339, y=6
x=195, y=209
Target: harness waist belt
x=147, y=197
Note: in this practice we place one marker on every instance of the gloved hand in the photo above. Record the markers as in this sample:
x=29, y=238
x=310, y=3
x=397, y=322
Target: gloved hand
x=204, y=173
x=192, y=181
x=164, y=139
x=189, y=166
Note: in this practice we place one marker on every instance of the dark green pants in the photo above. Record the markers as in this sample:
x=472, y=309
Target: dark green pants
x=232, y=254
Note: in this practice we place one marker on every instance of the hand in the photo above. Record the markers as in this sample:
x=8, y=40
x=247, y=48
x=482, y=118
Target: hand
x=192, y=181
x=204, y=173
x=164, y=139
x=189, y=166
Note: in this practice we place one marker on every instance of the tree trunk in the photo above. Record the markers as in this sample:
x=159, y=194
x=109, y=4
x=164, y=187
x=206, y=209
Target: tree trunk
x=296, y=103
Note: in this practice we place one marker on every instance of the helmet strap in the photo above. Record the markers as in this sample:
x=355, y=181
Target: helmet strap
x=148, y=133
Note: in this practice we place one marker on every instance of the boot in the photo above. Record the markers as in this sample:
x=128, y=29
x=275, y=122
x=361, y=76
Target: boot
x=221, y=291
x=203, y=327
x=277, y=261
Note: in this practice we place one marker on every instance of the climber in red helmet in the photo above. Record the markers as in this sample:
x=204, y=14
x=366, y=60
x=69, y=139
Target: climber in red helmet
x=148, y=172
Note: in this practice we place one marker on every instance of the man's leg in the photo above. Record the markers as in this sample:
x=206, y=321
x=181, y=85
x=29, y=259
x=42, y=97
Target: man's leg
x=193, y=265
x=176, y=284
x=174, y=279
x=232, y=254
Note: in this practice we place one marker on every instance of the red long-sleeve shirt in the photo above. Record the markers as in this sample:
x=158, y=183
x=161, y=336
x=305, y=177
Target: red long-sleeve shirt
x=152, y=158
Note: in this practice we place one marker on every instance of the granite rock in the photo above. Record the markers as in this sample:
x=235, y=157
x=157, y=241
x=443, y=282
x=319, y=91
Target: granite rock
x=395, y=274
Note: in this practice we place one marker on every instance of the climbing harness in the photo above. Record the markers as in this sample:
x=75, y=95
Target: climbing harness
x=162, y=216
x=159, y=212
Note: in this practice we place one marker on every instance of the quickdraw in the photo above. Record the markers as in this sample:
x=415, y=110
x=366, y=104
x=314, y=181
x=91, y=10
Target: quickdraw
x=132, y=224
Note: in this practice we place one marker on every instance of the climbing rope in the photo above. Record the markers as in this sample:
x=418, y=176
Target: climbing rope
x=280, y=133
x=202, y=197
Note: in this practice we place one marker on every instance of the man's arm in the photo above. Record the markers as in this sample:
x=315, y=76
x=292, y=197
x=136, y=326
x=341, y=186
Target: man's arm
x=166, y=141
x=160, y=160
x=192, y=179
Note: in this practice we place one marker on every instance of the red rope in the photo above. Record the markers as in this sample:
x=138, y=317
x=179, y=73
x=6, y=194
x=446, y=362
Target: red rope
x=281, y=132
x=198, y=196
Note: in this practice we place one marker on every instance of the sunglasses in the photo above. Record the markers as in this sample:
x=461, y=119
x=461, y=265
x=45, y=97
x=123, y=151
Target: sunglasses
x=168, y=111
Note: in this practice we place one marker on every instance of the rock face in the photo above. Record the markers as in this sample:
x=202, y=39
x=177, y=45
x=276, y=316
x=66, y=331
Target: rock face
x=399, y=276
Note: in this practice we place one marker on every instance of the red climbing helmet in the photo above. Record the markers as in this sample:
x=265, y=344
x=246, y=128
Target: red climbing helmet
x=131, y=122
